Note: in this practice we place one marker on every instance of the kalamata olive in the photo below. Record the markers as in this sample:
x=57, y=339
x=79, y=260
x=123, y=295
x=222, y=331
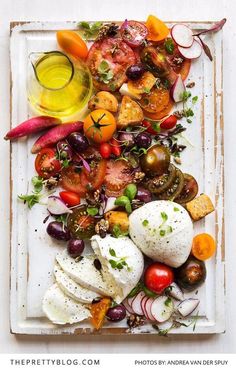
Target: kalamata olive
x=75, y=247
x=78, y=141
x=116, y=314
x=156, y=161
x=64, y=150
x=191, y=274
x=143, y=140
x=58, y=231
x=126, y=139
x=144, y=195
x=135, y=71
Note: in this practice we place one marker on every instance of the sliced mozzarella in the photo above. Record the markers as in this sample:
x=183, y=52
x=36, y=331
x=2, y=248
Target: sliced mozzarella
x=72, y=288
x=83, y=271
x=128, y=275
x=124, y=90
x=61, y=309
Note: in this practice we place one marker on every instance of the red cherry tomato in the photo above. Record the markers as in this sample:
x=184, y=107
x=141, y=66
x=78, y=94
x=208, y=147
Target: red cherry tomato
x=152, y=127
x=169, y=122
x=46, y=163
x=158, y=277
x=105, y=150
x=70, y=198
x=115, y=147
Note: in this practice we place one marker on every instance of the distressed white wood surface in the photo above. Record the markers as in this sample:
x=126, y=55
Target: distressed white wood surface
x=59, y=10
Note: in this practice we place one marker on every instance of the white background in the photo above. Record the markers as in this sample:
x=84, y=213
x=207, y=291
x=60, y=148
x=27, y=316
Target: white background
x=117, y=10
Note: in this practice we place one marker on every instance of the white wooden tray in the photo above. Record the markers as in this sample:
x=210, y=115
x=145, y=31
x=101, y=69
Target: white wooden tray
x=33, y=252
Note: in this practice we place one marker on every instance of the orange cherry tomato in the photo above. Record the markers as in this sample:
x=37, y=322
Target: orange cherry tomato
x=99, y=126
x=156, y=100
x=185, y=68
x=160, y=114
x=204, y=246
x=98, y=312
x=157, y=30
x=72, y=44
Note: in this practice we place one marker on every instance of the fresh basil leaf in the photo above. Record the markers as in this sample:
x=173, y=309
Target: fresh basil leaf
x=37, y=182
x=169, y=46
x=131, y=191
x=92, y=210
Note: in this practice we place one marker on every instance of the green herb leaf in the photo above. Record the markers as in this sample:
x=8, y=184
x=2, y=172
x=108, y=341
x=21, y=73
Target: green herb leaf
x=92, y=210
x=169, y=46
x=162, y=232
x=112, y=252
x=125, y=202
x=31, y=200
x=148, y=292
x=195, y=99
x=168, y=302
x=62, y=218
x=164, y=216
x=103, y=66
x=186, y=95
x=176, y=209
x=146, y=90
x=131, y=191
x=117, y=232
x=145, y=222
x=37, y=182
x=90, y=29
x=65, y=163
x=113, y=263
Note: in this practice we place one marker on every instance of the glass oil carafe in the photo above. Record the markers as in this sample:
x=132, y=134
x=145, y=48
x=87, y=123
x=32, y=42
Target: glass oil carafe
x=57, y=86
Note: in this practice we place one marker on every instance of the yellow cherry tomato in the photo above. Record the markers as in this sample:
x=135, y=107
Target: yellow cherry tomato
x=204, y=246
x=99, y=126
x=157, y=30
x=72, y=43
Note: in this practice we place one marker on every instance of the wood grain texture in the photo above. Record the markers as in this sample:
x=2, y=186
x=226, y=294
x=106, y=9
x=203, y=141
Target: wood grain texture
x=30, y=245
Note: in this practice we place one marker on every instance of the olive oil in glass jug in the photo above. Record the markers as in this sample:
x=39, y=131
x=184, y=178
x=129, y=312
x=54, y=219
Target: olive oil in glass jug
x=56, y=86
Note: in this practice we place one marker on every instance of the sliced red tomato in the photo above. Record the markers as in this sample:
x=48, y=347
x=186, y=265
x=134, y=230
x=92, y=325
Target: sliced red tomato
x=133, y=33
x=117, y=55
x=46, y=163
x=72, y=180
x=118, y=175
x=93, y=180
x=70, y=198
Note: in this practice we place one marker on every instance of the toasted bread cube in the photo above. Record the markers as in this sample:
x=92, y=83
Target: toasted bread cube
x=104, y=100
x=119, y=218
x=200, y=207
x=130, y=113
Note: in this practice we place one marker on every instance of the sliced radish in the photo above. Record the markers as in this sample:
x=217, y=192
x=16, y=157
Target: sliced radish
x=182, y=35
x=136, y=303
x=148, y=313
x=162, y=308
x=176, y=292
x=56, y=206
x=127, y=306
x=143, y=302
x=178, y=89
x=187, y=306
x=193, y=52
x=130, y=300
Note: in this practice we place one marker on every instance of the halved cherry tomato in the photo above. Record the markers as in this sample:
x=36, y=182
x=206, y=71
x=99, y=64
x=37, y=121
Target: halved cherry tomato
x=156, y=100
x=158, y=277
x=157, y=30
x=151, y=126
x=70, y=198
x=160, y=114
x=115, y=147
x=105, y=150
x=189, y=191
x=98, y=312
x=46, y=163
x=72, y=43
x=118, y=175
x=80, y=224
x=73, y=180
x=93, y=180
x=133, y=33
x=99, y=125
x=169, y=122
x=204, y=246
